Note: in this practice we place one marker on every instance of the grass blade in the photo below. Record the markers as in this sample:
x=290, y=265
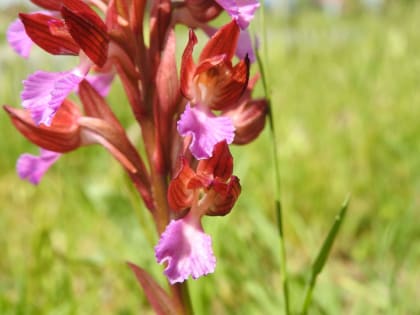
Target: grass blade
x=322, y=257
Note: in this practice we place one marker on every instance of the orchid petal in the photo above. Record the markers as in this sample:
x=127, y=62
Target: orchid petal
x=219, y=165
x=33, y=168
x=186, y=249
x=101, y=82
x=244, y=47
x=180, y=195
x=206, y=130
x=44, y=92
x=223, y=42
x=18, y=39
x=240, y=10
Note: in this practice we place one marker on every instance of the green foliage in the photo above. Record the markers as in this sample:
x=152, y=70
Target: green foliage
x=346, y=105
x=322, y=257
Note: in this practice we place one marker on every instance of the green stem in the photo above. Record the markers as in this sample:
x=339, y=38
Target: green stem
x=283, y=259
x=308, y=294
x=188, y=310
x=278, y=205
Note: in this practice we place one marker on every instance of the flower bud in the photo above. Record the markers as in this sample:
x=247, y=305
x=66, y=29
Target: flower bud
x=248, y=119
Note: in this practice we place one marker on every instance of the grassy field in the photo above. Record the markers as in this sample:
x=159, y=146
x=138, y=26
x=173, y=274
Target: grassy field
x=346, y=102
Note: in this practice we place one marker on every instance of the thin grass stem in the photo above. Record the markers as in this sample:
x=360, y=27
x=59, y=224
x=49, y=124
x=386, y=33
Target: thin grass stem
x=277, y=194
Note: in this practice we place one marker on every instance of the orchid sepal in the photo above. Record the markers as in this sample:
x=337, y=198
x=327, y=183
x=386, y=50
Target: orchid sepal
x=249, y=120
x=53, y=5
x=50, y=33
x=180, y=195
x=220, y=165
x=87, y=29
x=214, y=82
x=223, y=42
x=62, y=136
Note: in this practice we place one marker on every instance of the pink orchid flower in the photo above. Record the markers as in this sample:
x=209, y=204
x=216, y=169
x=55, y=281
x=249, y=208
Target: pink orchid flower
x=211, y=85
x=210, y=190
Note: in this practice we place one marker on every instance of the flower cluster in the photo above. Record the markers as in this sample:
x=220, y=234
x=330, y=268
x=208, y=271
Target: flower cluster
x=187, y=118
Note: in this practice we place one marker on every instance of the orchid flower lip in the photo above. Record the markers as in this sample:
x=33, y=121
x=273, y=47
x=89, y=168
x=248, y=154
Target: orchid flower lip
x=206, y=130
x=186, y=249
x=18, y=39
x=242, y=11
x=33, y=168
x=44, y=92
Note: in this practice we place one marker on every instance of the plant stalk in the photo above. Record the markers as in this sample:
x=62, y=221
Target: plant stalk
x=277, y=205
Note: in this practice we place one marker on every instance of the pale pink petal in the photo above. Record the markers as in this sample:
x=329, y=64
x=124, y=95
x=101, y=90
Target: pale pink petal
x=32, y=167
x=245, y=46
x=44, y=92
x=101, y=82
x=206, y=130
x=240, y=10
x=186, y=249
x=18, y=39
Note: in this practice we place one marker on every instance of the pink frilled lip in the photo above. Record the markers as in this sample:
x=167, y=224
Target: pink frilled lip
x=186, y=250
x=44, y=92
x=240, y=10
x=18, y=39
x=33, y=167
x=205, y=130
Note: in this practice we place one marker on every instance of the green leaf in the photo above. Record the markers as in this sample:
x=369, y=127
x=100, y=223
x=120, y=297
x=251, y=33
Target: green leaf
x=322, y=256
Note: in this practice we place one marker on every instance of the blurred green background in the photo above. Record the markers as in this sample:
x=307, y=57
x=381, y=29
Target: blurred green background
x=346, y=101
